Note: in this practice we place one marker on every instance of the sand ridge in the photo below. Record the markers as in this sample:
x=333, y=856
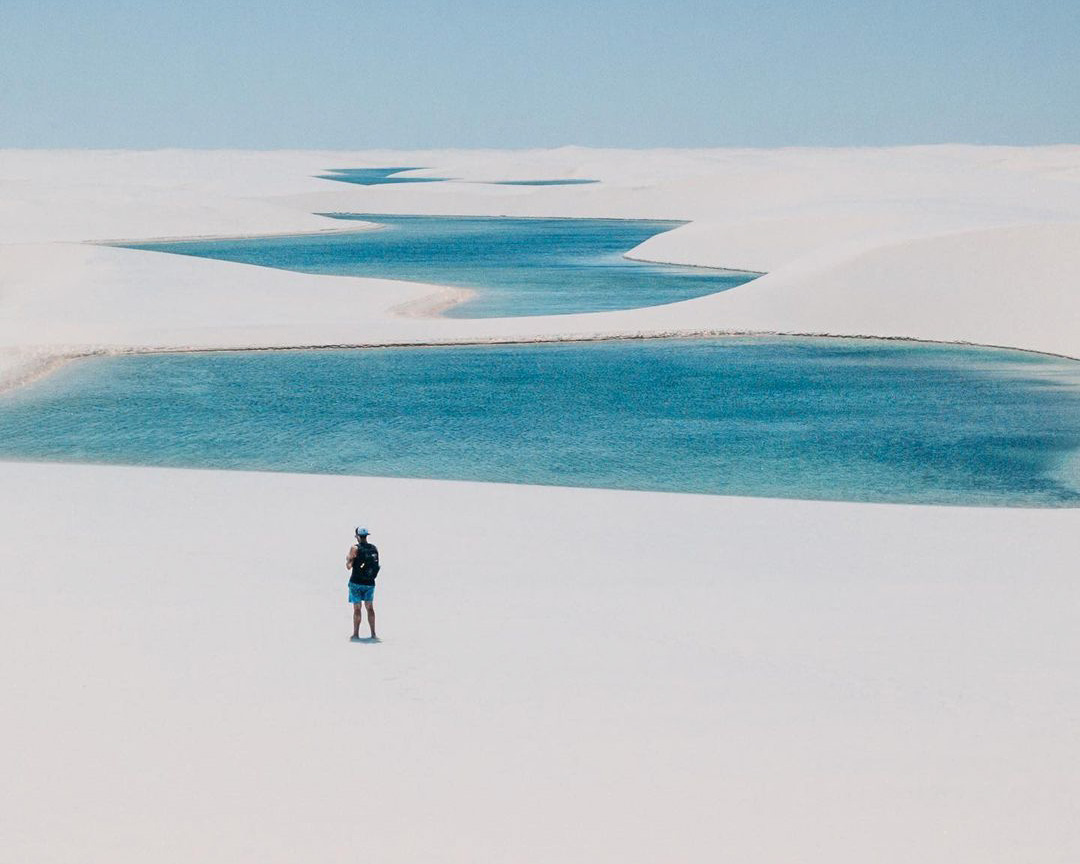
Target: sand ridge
x=941, y=243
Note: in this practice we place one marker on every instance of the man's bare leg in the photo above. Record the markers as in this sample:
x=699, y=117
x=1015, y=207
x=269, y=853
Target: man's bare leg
x=371, y=617
x=357, y=617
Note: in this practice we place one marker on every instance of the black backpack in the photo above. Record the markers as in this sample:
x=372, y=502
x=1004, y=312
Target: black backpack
x=368, y=556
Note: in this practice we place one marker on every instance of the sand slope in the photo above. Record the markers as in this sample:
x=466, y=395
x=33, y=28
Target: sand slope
x=1017, y=286
x=571, y=675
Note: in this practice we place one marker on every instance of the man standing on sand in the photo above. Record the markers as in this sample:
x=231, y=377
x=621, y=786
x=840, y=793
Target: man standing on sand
x=363, y=561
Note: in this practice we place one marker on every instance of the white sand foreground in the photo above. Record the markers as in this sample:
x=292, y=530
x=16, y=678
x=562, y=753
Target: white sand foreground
x=566, y=675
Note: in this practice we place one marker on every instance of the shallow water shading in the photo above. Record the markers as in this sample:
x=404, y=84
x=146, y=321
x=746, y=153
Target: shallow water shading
x=517, y=266
x=800, y=418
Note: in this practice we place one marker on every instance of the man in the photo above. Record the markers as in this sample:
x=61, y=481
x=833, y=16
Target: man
x=363, y=561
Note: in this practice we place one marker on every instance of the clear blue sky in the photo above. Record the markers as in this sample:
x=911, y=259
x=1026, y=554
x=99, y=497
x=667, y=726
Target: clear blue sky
x=503, y=73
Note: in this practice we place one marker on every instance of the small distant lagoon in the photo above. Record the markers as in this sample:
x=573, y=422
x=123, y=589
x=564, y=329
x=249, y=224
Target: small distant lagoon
x=389, y=176
x=795, y=418
x=517, y=266
x=376, y=176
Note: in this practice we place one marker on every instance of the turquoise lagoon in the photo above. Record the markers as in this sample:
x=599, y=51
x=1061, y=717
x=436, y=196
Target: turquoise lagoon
x=517, y=266
x=376, y=176
x=387, y=176
x=827, y=419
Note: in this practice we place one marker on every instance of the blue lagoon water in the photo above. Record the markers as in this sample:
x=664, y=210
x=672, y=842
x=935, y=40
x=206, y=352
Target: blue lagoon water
x=376, y=176
x=387, y=176
x=517, y=266
x=832, y=419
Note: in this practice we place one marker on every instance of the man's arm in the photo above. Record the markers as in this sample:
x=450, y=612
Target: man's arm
x=350, y=558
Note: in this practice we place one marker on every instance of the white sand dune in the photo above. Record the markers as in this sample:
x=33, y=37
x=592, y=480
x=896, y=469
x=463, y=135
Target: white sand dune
x=568, y=674
x=943, y=243
x=1016, y=286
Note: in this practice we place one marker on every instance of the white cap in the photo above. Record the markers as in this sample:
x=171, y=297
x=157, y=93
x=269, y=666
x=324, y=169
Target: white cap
x=362, y=532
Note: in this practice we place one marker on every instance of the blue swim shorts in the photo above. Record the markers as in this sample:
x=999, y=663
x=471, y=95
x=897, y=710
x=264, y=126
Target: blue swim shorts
x=360, y=593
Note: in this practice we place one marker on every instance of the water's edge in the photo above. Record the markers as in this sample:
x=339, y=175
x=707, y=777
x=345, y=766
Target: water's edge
x=46, y=364
x=985, y=459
